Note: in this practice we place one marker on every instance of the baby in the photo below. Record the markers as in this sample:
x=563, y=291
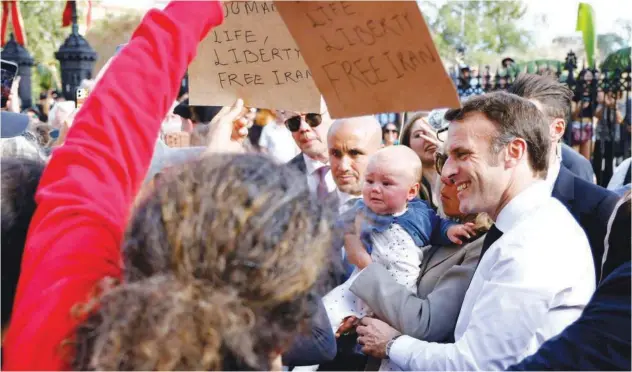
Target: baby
x=389, y=226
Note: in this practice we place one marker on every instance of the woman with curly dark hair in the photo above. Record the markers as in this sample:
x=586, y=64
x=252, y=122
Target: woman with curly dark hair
x=217, y=264
x=218, y=261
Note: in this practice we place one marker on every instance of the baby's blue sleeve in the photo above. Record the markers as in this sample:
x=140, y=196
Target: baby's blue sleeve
x=346, y=221
x=440, y=228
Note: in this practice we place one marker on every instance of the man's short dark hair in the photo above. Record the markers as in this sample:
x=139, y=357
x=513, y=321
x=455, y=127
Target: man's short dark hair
x=554, y=96
x=514, y=117
x=20, y=178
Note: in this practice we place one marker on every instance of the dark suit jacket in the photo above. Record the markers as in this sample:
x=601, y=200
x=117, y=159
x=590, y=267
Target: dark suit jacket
x=599, y=340
x=577, y=164
x=298, y=162
x=591, y=205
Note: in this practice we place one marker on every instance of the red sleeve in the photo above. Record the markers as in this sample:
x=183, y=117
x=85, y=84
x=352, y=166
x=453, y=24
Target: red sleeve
x=87, y=190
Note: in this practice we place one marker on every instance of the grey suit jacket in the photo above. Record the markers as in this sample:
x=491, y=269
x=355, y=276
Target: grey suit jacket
x=431, y=314
x=298, y=162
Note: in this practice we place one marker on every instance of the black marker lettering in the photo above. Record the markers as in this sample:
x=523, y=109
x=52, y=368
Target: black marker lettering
x=288, y=75
x=215, y=38
x=250, y=37
x=237, y=61
x=233, y=77
x=275, y=53
x=399, y=74
x=370, y=39
x=376, y=70
x=386, y=27
x=251, y=7
x=217, y=61
x=254, y=57
x=262, y=53
x=347, y=67
x=221, y=81
x=363, y=72
x=276, y=77
x=423, y=55
x=329, y=77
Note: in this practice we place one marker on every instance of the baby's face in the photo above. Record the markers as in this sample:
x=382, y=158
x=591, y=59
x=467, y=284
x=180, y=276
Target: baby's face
x=387, y=189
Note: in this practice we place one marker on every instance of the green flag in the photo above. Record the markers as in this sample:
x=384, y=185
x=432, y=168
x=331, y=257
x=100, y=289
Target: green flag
x=585, y=24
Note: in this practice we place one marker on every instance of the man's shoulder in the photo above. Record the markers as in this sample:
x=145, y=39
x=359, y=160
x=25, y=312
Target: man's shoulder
x=551, y=222
x=584, y=197
x=298, y=162
x=577, y=164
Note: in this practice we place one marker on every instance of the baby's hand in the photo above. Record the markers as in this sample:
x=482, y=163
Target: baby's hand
x=456, y=232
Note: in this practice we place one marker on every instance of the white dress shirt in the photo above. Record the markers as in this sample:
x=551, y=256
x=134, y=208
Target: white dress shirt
x=554, y=169
x=530, y=284
x=345, y=201
x=311, y=166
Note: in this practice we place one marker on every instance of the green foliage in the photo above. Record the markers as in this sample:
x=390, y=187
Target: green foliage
x=42, y=23
x=617, y=60
x=483, y=28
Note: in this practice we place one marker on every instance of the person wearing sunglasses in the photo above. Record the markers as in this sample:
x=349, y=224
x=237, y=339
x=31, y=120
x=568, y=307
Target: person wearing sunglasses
x=309, y=131
x=390, y=133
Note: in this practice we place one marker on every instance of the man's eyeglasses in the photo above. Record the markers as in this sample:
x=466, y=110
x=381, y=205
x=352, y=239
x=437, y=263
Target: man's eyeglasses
x=440, y=160
x=294, y=123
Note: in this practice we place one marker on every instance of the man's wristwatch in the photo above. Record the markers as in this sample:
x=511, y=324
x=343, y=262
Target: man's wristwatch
x=389, y=344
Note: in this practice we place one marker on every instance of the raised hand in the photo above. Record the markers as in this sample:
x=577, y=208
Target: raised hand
x=228, y=130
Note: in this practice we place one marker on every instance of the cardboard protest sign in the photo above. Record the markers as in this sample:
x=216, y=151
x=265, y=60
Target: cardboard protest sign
x=369, y=57
x=252, y=56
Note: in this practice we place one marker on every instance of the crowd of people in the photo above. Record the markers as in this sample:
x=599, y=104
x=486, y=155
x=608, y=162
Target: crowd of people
x=153, y=235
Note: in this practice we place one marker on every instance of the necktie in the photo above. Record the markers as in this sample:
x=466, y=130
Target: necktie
x=492, y=235
x=322, y=191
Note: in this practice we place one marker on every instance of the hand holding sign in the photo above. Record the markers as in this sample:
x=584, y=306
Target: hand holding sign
x=369, y=57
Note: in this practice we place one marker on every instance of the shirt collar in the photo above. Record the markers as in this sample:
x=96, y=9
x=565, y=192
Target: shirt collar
x=311, y=165
x=522, y=204
x=553, y=172
x=343, y=197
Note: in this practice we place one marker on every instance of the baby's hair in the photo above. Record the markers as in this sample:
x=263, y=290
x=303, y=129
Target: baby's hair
x=402, y=157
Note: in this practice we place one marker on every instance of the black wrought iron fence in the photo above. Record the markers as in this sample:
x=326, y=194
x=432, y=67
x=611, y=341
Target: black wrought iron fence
x=599, y=123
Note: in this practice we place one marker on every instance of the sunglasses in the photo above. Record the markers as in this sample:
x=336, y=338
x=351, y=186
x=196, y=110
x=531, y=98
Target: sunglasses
x=294, y=123
x=440, y=160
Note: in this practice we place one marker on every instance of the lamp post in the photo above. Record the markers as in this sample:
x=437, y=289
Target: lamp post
x=76, y=58
x=16, y=53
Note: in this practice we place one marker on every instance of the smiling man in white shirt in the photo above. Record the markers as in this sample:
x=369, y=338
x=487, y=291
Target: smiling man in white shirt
x=536, y=270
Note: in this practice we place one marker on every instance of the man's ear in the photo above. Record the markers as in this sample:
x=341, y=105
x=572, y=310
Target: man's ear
x=516, y=150
x=413, y=192
x=557, y=129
